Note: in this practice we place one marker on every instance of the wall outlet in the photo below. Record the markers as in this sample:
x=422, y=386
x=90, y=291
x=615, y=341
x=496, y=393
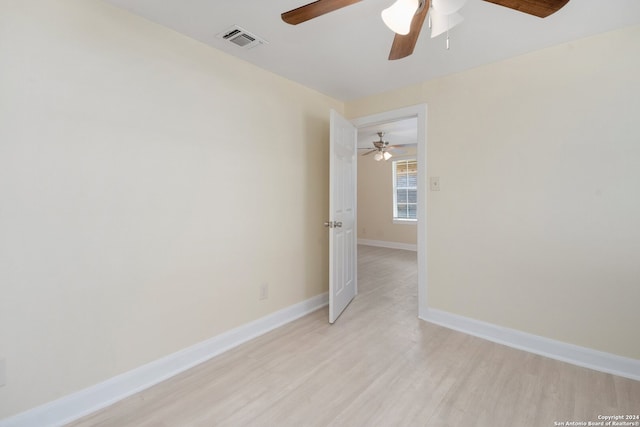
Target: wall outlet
x=3, y=372
x=434, y=183
x=264, y=291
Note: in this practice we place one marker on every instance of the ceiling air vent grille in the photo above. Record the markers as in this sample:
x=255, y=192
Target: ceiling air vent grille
x=241, y=37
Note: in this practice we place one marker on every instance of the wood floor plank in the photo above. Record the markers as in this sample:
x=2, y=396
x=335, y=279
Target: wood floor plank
x=378, y=365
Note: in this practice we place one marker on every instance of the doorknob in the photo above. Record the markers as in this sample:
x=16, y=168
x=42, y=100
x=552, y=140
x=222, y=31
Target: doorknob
x=332, y=224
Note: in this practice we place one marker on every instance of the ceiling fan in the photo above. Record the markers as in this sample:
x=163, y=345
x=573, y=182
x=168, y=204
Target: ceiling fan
x=406, y=17
x=381, y=149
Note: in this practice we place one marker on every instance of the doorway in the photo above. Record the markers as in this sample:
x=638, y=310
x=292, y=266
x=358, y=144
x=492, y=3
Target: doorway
x=419, y=113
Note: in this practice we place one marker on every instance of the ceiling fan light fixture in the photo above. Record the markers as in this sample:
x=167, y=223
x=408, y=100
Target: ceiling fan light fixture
x=442, y=23
x=399, y=15
x=378, y=156
x=447, y=7
x=387, y=155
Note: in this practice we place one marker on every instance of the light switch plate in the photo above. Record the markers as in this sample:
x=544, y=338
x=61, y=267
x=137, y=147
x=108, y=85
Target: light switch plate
x=434, y=183
x=264, y=291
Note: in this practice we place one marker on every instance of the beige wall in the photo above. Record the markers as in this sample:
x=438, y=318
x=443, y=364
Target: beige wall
x=148, y=186
x=537, y=224
x=375, y=204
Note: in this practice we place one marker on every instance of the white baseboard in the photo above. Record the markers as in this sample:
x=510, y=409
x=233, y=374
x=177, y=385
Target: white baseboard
x=390, y=245
x=576, y=355
x=84, y=402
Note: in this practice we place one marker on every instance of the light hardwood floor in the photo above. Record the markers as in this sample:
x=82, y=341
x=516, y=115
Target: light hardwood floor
x=377, y=366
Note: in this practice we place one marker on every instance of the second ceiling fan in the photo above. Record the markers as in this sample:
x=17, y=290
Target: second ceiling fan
x=382, y=149
x=443, y=14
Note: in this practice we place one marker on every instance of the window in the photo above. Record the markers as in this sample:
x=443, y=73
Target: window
x=405, y=190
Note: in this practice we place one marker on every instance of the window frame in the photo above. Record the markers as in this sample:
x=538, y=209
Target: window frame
x=396, y=219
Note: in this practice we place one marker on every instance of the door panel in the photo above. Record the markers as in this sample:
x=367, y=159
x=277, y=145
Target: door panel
x=342, y=215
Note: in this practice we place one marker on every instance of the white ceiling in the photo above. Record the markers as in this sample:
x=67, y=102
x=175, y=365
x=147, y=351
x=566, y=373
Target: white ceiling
x=344, y=54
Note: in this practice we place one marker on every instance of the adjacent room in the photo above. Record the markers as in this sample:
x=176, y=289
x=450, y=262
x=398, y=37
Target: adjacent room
x=168, y=238
x=388, y=185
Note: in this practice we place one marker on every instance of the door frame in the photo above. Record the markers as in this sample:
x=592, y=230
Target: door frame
x=418, y=111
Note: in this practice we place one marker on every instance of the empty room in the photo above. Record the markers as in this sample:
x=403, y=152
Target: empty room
x=209, y=215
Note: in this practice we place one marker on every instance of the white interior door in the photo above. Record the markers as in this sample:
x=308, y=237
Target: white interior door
x=342, y=215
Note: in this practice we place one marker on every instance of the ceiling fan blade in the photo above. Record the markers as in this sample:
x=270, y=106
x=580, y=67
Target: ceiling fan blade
x=369, y=152
x=539, y=8
x=313, y=10
x=403, y=45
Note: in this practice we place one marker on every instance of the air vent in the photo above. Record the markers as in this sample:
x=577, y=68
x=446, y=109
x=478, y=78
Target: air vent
x=241, y=37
